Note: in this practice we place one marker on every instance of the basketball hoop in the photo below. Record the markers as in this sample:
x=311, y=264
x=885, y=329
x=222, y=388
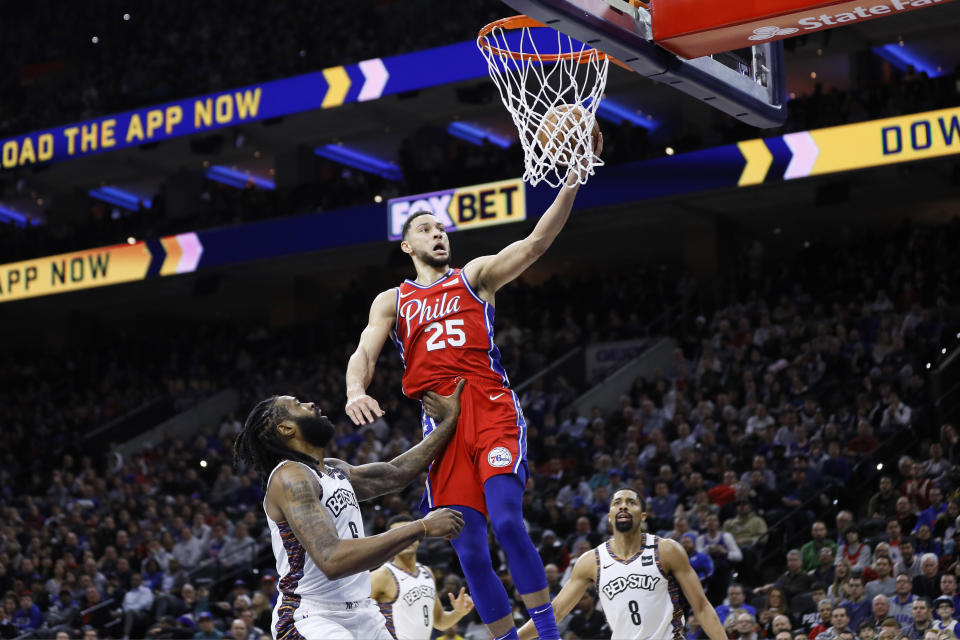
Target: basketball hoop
x=552, y=96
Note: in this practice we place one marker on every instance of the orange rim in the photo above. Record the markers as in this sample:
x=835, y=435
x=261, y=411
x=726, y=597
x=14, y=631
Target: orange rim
x=524, y=22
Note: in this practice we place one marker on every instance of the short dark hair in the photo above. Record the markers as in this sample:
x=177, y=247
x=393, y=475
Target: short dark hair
x=643, y=503
x=409, y=221
x=818, y=586
x=400, y=517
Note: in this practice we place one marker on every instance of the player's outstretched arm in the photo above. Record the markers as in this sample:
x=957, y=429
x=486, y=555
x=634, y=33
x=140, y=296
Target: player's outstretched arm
x=462, y=605
x=377, y=478
x=583, y=575
x=488, y=274
x=297, y=494
x=676, y=562
x=361, y=408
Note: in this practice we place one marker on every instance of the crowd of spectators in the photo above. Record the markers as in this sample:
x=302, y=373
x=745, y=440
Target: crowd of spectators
x=756, y=449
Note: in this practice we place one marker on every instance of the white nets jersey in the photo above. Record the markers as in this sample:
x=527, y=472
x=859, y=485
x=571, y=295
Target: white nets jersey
x=410, y=616
x=299, y=576
x=640, y=601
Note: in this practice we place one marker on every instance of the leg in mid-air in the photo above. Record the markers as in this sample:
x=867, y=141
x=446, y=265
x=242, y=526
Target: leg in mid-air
x=505, y=504
x=489, y=596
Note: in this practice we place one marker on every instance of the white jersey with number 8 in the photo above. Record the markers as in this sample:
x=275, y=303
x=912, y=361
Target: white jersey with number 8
x=640, y=601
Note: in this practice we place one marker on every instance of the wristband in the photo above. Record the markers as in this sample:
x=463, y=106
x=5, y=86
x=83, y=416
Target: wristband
x=424, y=527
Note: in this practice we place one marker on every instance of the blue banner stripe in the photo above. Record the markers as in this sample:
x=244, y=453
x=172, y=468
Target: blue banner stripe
x=781, y=158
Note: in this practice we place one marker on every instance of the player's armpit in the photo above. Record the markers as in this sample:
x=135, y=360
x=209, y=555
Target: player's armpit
x=382, y=586
x=676, y=562
x=583, y=575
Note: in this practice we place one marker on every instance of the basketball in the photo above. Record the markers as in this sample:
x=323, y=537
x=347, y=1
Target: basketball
x=561, y=122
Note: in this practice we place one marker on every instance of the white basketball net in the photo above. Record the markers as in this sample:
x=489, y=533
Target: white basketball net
x=534, y=85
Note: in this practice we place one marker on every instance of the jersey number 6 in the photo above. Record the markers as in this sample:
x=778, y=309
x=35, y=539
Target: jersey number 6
x=453, y=335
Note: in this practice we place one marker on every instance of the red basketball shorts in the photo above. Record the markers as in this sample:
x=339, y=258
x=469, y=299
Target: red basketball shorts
x=490, y=440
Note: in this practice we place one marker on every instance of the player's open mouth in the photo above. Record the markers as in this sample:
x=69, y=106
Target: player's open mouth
x=624, y=517
x=439, y=249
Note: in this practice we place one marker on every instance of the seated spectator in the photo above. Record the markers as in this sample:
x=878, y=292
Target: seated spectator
x=927, y=584
x=811, y=550
x=794, y=580
x=586, y=620
x=879, y=610
x=137, y=604
x=836, y=469
x=909, y=562
x=854, y=551
x=207, y=630
x=822, y=623
x=808, y=611
x=922, y=619
x=937, y=506
x=924, y=542
x=240, y=550
x=746, y=527
x=864, y=443
x=916, y=488
x=866, y=630
x=583, y=532
x=775, y=605
x=948, y=588
x=945, y=608
x=64, y=614
x=662, y=505
x=723, y=551
x=736, y=599
x=745, y=626
x=700, y=562
x=884, y=582
x=883, y=504
x=857, y=605
x=839, y=623
x=552, y=550
x=901, y=604
x=189, y=550
x=827, y=570
x=897, y=415
x=28, y=617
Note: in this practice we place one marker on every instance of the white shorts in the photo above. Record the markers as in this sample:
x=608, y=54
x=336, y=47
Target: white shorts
x=320, y=620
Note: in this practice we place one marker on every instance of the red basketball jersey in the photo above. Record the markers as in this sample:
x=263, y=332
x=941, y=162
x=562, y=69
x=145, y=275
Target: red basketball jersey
x=443, y=331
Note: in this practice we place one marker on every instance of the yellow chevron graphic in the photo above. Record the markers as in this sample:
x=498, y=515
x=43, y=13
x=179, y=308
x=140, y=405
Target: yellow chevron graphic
x=339, y=83
x=758, y=158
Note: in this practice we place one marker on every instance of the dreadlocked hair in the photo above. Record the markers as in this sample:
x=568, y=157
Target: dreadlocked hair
x=260, y=447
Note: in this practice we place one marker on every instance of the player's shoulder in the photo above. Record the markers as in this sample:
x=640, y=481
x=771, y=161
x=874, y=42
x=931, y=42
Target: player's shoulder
x=386, y=299
x=670, y=552
x=427, y=569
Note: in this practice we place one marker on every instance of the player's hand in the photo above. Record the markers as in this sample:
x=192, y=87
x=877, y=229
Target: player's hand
x=363, y=410
x=463, y=603
x=598, y=144
x=443, y=407
x=443, y=523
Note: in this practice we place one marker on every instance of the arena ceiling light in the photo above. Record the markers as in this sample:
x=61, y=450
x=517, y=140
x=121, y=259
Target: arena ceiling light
x=903, y=57
x=18, y=219
x=475, y=134
x=120, y=198
x=618, y=113
x=238, y=179
x=359, y=160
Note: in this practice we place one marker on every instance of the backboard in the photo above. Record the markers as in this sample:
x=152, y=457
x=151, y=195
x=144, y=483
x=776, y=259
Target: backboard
x=747, y=84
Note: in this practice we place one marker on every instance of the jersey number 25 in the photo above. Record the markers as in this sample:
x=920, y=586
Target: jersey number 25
x=445, y=333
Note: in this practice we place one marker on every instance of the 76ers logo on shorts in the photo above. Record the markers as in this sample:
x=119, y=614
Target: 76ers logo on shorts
x=499, y=457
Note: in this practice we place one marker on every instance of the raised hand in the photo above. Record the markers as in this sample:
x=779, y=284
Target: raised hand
x=463, y=603
x=363, y=410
